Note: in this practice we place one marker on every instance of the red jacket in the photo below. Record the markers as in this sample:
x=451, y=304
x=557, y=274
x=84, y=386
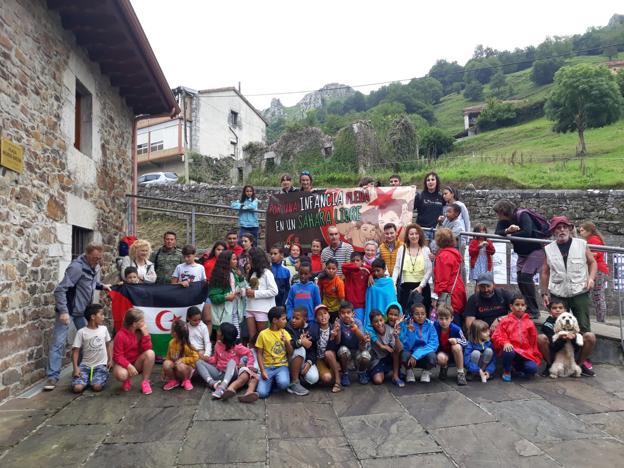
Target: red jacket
x=446, y=267
x=473, y=249
x=599, y=256
x=356, y=282
x=209, y=265
x=315, y=263
x=127, y=348
x=522, y=335
x=222, y=356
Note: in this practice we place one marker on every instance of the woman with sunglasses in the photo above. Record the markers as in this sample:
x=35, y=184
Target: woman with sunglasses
x=305, y=179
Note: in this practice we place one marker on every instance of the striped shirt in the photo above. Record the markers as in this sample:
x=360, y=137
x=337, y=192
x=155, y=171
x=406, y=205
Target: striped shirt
x=341, y=254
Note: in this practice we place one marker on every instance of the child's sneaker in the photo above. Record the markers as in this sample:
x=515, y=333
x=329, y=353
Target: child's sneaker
x=213, y=384
x=187, y=385
x=218, y=393
x=461, y=378
x=443, y=373
x=126, y=385
x=344, y=379
x=297, y=389
x=506, y=376
x=425, y=377
x=363, y=378
x=398, y=382
x=409, y=376
x=171, y=384
x=146, y=387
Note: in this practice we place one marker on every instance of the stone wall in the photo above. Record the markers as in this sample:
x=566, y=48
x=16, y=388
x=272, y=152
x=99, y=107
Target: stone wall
x=604, y=207
x=60, y=187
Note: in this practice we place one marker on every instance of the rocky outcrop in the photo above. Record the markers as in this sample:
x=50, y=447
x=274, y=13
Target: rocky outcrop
x=616, y=20
x=275, y=111
x=329, y=92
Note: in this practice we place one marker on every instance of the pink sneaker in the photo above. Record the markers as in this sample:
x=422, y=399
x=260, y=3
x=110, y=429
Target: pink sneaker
x=187, y=385
x=126, y=385
x=146, y=387
x=171, y=384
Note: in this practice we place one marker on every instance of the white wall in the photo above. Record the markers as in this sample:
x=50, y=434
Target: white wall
x=166, y=132
x=214, y=137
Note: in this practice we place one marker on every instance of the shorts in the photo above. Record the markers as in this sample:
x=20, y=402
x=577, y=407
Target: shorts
x=97, y=375
x=257, y=316
x=322, y=366
x=450, y=356
x=382, y=367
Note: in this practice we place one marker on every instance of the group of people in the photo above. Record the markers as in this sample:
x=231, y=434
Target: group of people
x=287, y=319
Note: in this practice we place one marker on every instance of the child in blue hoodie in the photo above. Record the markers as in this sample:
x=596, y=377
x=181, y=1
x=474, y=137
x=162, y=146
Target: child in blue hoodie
x=281, y=275
x=420, y=343
x=380, y=294
x=303, y=294
x=247, y=214
x=451, y=341
x=479, y=356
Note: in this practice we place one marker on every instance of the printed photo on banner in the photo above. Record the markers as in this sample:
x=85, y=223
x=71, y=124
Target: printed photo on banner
x=359, y=214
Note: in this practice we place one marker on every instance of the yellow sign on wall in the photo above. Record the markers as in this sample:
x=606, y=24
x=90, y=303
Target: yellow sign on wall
x=11, y=155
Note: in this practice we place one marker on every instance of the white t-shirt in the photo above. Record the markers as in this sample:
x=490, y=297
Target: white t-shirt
x=192, y=273
x=93, y=345
x=200, y=338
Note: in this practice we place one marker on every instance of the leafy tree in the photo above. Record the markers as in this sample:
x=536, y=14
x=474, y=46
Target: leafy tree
x=356, y=102
x=335, y=107
x=550, y=56
x=498, y=85
x=428, y=89
x=496, y=114
x=584, y=96
x=544, y=70
x=473, y=91
x=447, y=73
x=481, y=69
x=434, y=142
x=610, y=51
x=388, y=108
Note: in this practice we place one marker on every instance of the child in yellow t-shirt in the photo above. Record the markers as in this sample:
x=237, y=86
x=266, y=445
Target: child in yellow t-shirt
x=273, y=347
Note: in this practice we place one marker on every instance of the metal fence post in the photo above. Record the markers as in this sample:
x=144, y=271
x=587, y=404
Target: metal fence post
x=193, y=225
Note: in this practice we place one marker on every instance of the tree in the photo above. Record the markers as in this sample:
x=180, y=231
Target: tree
x=584, y=96
x=428, y=89
x=434, y=141
x=481, y=69
x=496, y=114
x=447, y=73
x=544, y=70
x=620, y=81
x=356, y=102
x=550, y=56
x=610, y=51
x=498, y=85
x=473, y=91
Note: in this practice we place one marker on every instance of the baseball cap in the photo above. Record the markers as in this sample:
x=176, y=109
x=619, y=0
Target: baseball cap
x=556, y=220
x=485, y=278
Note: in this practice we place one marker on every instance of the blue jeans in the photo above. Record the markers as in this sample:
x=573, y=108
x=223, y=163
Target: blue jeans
x=279, y=374
x=57, y=345
x=251, y=230
x=519, y=363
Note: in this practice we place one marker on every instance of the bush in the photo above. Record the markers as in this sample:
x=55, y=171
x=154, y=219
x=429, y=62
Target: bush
x=495, y=115
x=434, y=142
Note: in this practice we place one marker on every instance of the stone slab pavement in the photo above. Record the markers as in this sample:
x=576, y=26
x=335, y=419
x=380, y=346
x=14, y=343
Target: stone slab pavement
x=525, y=423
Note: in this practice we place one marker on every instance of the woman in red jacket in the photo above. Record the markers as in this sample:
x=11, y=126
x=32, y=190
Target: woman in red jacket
x=211, y=259
x=515, y=339
x=447, y=273
x=591, y=235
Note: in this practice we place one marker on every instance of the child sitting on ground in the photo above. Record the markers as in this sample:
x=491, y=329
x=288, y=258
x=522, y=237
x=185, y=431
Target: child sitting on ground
x=332, y=288
x=451, y=340
x=349, y=342
x=95, y=344
x=549, y=350
x=321, y=333
x=384, y=351
x=189, y=271
x=132, y=351
x=420, y=343
x=180, y=362
x=479, y=354
x=382, y=292
x=303, y=358
x=230, y=368
x=356, y=275
x=131, y=275
x=273, y=346
x=304, y=294
x=198, y=333
x=515, y=339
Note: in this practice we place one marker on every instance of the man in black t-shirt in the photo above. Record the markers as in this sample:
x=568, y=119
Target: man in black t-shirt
x=488, y=303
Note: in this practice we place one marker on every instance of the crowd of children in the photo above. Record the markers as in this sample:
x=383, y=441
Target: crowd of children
x=284, y=320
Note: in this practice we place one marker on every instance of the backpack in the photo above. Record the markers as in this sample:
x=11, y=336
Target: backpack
x=541, y=227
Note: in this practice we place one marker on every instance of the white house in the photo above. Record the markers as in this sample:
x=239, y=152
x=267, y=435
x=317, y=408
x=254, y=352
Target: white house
x=219, y=123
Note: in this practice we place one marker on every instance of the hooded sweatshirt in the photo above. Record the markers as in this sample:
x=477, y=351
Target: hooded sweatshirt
x=420, y=342
x=303, y=295
x=368, y=326
x=282, y=279
x=445, y=271
x=380, y=295
x=75, y=291
x=522, y=335
x=356, y=282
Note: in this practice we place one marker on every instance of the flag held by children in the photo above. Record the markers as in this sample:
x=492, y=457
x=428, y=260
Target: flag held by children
x=161, y=304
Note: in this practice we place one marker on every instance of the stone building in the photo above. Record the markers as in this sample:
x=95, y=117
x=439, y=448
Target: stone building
x=74, y=76
x=219, y=123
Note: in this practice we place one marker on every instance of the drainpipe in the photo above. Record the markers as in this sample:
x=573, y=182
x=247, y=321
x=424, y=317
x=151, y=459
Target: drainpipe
x=235, y=151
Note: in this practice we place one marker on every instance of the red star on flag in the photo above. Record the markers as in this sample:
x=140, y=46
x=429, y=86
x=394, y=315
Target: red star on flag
x=383, y=198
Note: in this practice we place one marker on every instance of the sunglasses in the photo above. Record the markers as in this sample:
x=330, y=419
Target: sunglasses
x=305, y=173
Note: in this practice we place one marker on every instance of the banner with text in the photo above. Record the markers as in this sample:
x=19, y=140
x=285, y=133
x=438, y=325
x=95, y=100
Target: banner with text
x=359, y=214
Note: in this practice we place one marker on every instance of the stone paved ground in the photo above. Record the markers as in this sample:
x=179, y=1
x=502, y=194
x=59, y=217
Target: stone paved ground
x=538, y=423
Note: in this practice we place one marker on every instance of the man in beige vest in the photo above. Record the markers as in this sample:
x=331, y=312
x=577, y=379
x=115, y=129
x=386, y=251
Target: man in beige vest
x=569, y=271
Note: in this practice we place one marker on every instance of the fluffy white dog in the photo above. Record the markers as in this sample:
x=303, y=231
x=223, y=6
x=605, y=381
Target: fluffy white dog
x=566, y=328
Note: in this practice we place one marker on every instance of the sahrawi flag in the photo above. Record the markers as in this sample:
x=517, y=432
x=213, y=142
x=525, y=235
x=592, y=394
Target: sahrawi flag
x=161, y=304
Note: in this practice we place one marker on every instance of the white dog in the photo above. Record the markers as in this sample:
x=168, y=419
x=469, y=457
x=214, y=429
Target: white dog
x=566, y=328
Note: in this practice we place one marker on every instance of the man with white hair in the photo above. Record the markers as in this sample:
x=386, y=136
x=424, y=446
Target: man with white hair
x=337, y=249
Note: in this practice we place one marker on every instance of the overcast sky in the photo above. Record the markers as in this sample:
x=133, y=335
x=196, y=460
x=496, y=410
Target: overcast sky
x=273, y=46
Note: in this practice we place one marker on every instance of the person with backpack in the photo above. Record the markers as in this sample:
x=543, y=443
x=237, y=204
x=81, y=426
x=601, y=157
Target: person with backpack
x=166, y=258
x=521, y=222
